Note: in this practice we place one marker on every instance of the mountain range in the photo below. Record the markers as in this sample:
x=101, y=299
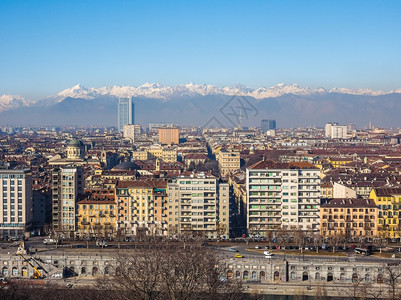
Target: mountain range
x=207, y=105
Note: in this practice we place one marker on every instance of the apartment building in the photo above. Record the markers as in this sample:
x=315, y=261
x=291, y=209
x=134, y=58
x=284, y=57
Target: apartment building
x=166, y=154
x=198, y=206
x=16, y=197
x=97, y=214
x=229, y=161
x=388, y=201
x=169, y=135
x=349, y=218
x=141, y=207
x=282, y=195
x=336, y=131
x=67, y=187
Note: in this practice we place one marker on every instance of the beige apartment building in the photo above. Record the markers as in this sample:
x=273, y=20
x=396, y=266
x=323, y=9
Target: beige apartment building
x=169, y=135
x=166, y=154
x=349, y=218
x=16, y=197
x=141, y=207
x=229, y=161
x=198, y=206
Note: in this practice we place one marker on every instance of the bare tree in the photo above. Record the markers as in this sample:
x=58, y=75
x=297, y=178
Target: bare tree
x=392, y=279
x=299, y=239
x=163, y=271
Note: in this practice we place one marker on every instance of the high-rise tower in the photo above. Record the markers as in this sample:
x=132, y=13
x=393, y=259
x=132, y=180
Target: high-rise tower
x=126, y=112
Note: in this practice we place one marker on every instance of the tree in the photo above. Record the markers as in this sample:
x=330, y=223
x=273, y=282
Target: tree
x=299, y=239
x=163, y=271
x=335, y=240
x=392, y=279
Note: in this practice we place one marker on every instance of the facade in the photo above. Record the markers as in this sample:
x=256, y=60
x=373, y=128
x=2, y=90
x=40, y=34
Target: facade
x=126, y=112
x=198, y=206
x=349, y=218
x=16, y=215
x=97, y=214
x=282, y=195
x=67, y=187
x=132, y=132
x=169, y=135
x=266, y=125
x=141, y=207
x=166, y=154
x=336, y=131
x=229, y=161
x=388, y=201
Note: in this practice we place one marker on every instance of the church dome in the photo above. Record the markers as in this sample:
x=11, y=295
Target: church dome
x=76, y=143
x=126, y=166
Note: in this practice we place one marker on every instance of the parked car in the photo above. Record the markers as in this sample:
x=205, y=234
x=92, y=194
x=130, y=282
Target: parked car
x=258, y=247
x=232, y=250
x=238, y=255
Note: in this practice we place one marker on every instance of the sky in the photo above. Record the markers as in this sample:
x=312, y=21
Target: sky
x=48, y=46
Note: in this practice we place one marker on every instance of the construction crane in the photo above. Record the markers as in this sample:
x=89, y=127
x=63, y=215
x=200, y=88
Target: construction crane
x=37, y=274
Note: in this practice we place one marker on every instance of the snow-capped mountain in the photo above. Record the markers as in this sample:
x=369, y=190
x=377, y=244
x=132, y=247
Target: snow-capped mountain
x=12, y=101
x=166, y=93
x=155, y=90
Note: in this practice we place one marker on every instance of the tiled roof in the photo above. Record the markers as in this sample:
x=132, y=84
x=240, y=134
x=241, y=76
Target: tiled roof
x=355, y=202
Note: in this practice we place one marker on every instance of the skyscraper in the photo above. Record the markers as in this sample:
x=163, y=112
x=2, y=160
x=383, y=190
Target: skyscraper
x=266, y=125
x=126, y=112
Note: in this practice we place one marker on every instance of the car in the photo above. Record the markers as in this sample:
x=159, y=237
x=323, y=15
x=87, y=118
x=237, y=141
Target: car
x=80, y=246
x=267, y=247
x=238, y=255
x=258, y=247
x=232, y=250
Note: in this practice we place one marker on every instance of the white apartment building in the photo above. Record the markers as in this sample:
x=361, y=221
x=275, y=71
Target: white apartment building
x=198, y=205
x=282, y=195
x=336, y=131
x=16, y=214
x=132, y=132
x=67, y=185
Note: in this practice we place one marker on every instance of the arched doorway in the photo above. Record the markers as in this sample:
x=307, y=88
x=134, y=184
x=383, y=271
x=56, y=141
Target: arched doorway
x=293, y=276
x=94, y=271
x=276, y=276
x=106, y=271
x=317, y=276
x=238, y=275
x=254, y=275
x=15, y=271
x=342, y=277
x=230, y=274
x=83, y=270
x=262, y=276
x=305, y=276
x=4, y=271
x=354, y=277
x=329, y=277
x=245, y=275
x=380, y=278
x=24, y=272
x=367, y=277
x=118, y=271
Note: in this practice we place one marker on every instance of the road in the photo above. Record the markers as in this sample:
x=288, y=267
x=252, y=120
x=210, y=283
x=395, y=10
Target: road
x=248, y=252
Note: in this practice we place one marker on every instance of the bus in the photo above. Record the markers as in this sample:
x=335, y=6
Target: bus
x=363, y=251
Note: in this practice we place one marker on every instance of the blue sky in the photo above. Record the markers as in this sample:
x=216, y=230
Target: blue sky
x=47, y=46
